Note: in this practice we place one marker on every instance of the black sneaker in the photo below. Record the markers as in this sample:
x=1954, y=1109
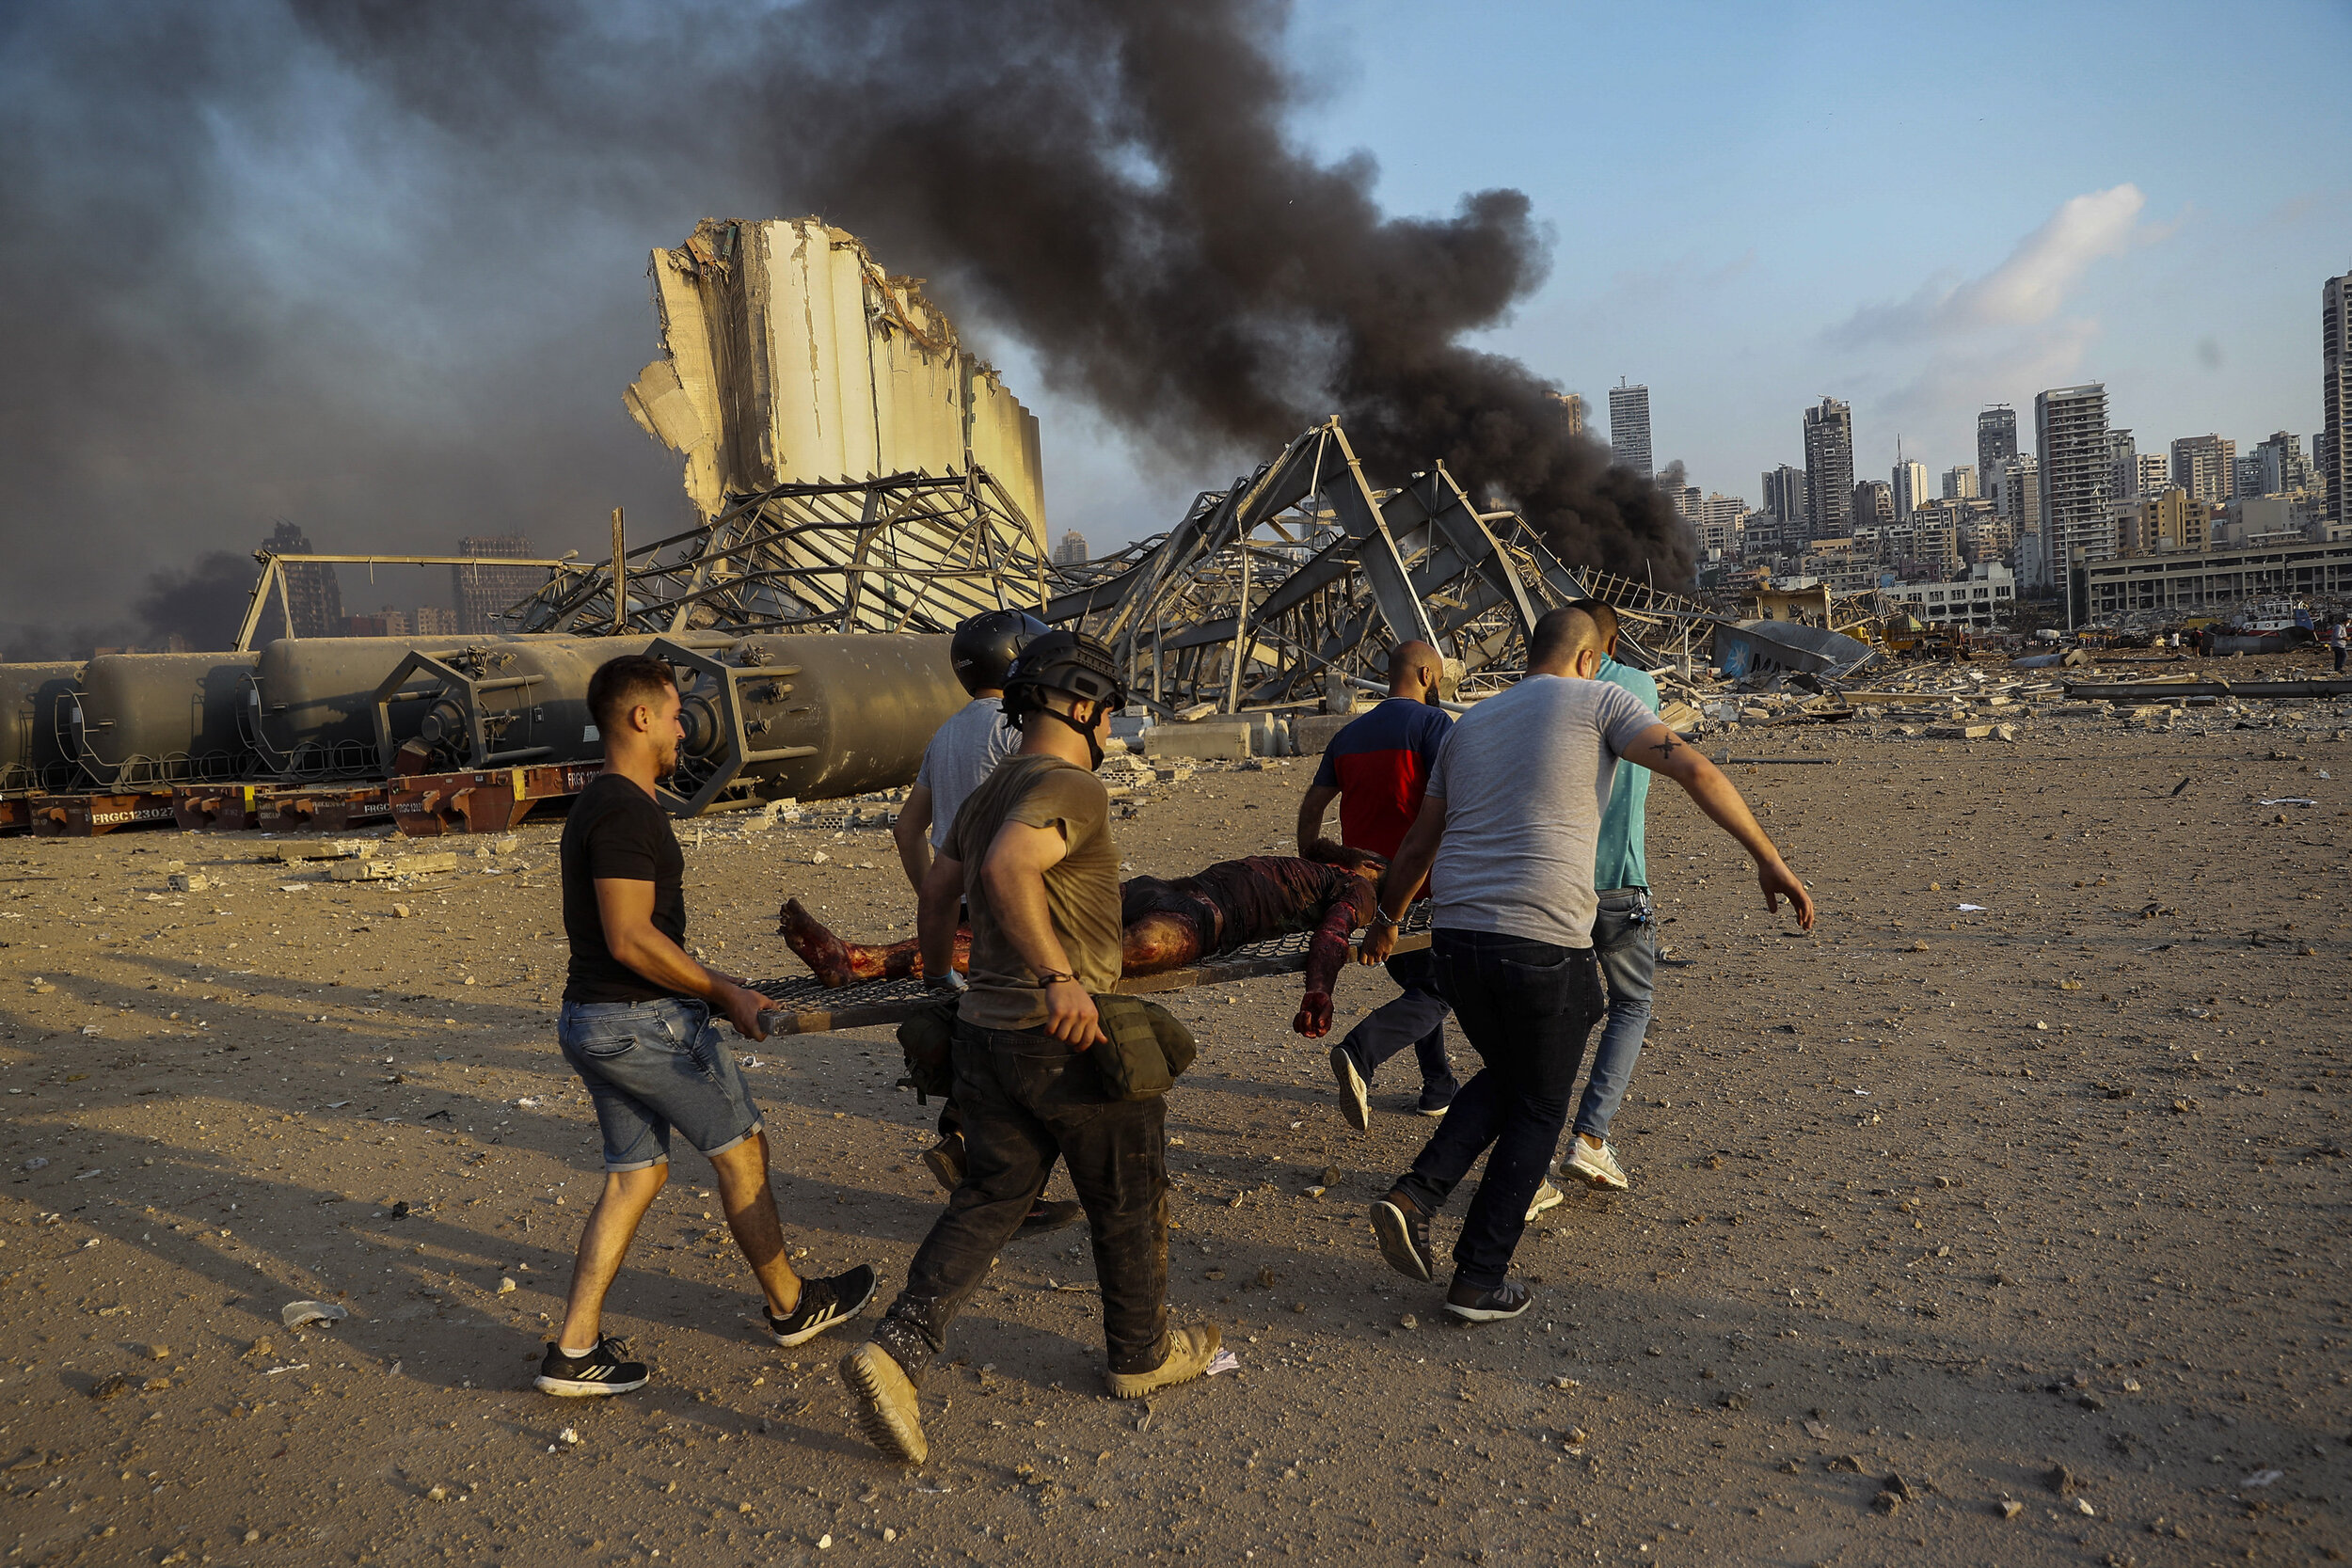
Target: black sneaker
x=1403, y=1231
x=1436, y=1098
x=1355, y=1094
x=599, y=1372
x=1474, y=1305
x=1052, y=1216
x=823, y=1304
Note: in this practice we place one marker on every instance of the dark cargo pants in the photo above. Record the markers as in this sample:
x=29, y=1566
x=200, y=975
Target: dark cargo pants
x=1026, y=1098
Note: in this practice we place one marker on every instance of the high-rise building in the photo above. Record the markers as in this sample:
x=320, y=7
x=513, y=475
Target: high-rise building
x=1960, y=483
x=1784, y=494
x=2017, y=501
x=1829, y=469
x=2123, y=463
x=386, y=621
x=2285, y=471
x=1072, y=552
x=2153, y=472
x=2334, y=446
x=1574, y=403
x=2206, y=467
x=485, y=593
x=2077, y=523
x=1873, y=506
x=313, y=594
x=432, y=620
x=1629, y=428
x=1997, y=438
x=1909, y=486
x=2170, y=519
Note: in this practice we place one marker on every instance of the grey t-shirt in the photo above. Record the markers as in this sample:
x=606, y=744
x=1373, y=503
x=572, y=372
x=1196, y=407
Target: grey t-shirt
x=1523, y=781
x=965, y=750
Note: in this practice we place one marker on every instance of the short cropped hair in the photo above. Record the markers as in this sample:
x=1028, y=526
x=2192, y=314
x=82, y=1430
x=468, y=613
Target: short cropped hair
x=1561, y=635
x=1604, y=615
x=619, y=684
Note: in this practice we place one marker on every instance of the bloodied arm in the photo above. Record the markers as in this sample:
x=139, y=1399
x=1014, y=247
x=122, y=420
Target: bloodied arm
x=1326, y=953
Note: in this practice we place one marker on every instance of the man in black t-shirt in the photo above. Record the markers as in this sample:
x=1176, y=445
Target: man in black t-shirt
x=640, y=1027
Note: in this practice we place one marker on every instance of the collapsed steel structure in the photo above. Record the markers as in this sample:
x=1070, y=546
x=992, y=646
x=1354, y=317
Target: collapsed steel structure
x=1303, y=573
x=912, y=553
x=1297, y=574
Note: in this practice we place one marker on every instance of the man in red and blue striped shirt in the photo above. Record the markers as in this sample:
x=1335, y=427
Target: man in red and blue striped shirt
x=1377, y=769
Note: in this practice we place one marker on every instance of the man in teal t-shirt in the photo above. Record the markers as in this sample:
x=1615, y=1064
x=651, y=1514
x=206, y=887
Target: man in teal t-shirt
x=1624, y=938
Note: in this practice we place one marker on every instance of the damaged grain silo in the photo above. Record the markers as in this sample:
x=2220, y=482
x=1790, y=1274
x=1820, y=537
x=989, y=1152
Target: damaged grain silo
x=855, y=468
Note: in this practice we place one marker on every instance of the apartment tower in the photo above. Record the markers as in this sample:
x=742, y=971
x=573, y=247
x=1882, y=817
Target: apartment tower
x=1829, y=469
x=1629, y=428
x=2335, y=396
x=2077, y=522
x=1997, y=438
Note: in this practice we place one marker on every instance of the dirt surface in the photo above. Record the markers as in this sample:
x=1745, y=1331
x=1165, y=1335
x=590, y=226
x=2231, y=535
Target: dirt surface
x=2039, y=1208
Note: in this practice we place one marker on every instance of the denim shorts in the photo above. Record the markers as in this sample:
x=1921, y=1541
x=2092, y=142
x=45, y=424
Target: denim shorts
x=652, y=1066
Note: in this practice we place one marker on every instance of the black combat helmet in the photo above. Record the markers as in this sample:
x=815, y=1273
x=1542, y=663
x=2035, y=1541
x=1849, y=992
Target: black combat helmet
x=1067, y=661
x=985, y=647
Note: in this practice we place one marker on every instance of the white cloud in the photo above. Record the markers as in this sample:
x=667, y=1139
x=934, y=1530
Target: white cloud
x=2026, y=289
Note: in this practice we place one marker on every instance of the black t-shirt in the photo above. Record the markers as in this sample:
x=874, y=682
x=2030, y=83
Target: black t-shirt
x=615, y=830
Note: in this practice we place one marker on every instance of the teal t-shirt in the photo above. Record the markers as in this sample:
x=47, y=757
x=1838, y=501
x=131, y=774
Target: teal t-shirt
x=1617, y=860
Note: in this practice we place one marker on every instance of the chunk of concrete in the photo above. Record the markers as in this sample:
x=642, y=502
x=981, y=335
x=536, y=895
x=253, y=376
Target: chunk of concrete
x=1311, y=731
x=1220, y=738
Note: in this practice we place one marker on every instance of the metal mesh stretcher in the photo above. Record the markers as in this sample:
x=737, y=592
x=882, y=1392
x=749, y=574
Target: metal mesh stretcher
x=805, y=1006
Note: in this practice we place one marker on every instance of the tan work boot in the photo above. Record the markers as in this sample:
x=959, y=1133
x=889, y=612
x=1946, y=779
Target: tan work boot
x=888, y=1409
x=1189, y=1352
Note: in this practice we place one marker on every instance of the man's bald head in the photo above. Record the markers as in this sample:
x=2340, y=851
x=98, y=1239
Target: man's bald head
x=1560, y=639
x=1414, y=671
x=1604, y=615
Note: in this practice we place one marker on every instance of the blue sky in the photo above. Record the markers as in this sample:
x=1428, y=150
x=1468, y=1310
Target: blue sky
x=318, y=301
x=1754, y=206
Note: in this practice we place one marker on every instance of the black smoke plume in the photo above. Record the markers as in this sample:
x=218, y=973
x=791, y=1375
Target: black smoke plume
x=437, y=341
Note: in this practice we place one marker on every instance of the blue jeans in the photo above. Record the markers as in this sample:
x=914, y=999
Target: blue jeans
x=1416, y=1018
x=1624, y=938
x=1527, y=1007
x=652, y=1066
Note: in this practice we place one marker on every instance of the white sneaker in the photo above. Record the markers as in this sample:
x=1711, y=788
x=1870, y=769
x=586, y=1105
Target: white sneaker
x=1547, y=1197
x=1597, y=1165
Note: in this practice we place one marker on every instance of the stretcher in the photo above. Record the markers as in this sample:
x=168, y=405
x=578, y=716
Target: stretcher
x=805, y=1006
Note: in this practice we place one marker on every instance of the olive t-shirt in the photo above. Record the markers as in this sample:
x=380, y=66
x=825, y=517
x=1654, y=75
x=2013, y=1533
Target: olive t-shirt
x=1081, y=889
x=617, y=831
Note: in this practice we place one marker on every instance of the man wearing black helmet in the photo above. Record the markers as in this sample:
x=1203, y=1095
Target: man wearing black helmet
x=964, y=751
x=967, y=748
x=1032, y=859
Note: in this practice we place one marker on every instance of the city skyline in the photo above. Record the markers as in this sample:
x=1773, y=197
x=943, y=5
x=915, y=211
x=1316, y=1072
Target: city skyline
x=2080, y=237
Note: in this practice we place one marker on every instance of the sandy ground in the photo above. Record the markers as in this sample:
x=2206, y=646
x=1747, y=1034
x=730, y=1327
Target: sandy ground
x=2039, y=1208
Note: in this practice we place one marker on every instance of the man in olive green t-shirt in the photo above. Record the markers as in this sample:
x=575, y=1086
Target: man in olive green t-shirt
x=1031, y=857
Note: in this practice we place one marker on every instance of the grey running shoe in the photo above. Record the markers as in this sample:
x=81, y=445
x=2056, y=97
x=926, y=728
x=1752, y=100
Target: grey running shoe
x=1403, y=1231
x=1355, y=1094
x=1474, y=1305
x=1597, y=1165
x=1547, y=1197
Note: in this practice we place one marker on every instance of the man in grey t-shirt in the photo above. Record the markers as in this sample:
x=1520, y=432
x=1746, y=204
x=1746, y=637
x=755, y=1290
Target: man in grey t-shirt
x=1506, y=836
x=965, y=750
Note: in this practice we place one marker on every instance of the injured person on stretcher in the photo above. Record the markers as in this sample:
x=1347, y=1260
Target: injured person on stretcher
x=1221, y=908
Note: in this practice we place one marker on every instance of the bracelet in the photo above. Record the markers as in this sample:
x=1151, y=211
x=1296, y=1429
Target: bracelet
x=1383, y=920
x=1054, y=977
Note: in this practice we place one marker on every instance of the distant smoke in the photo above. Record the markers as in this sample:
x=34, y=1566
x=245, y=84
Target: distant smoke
x=374, y=264
x=200, y=607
